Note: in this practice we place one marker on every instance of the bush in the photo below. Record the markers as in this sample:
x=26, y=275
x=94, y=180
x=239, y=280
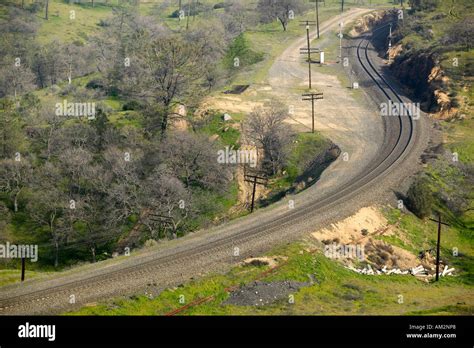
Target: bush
x=423, y=5
x=219, y=6
x=194, y=10
x=103, y=23
x=131, y=106
x=34, y=7
x=420, y=198
x=95, y=84
x=462, y=34
x=240, y=49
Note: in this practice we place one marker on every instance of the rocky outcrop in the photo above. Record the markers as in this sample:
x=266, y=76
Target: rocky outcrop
x=421, y=73
x=370, y=21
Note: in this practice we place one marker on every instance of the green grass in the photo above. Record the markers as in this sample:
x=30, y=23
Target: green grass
x=307, y=147
x=227, y=131
x=271, y=40
x=10, y=276
x=460, y=138
x=337, y=291
x=422, y=235
x=61, y=27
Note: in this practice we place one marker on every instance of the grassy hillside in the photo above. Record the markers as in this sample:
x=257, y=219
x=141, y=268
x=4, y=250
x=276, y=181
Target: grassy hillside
x=334, y=291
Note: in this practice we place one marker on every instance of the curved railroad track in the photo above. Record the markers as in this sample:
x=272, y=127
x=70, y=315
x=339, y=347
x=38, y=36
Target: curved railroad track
x=53, y=297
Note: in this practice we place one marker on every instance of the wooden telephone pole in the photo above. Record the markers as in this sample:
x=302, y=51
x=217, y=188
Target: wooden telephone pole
x=439, y=242
x=317, y=13
x=307, y=24
x=189, y=14
x=23, y=266
x=255, y=179
x=312, y=97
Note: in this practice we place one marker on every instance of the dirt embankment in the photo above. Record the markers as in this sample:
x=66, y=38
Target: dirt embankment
x=370, y=21
x=363, y=237
x=419, y=71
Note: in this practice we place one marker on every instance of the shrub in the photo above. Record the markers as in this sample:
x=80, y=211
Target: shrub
x=462, y=34
x=95, y=84
x=219, y=6
x=240, y=49
x=420, y=198
x=131, y=105
x=421, y=5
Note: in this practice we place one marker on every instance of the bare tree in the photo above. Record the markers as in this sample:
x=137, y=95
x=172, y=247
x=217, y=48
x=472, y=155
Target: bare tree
x=237, y=18
x=121, y=182
x=46, y=205
x=168, y=71
x=193, y=159
x=16, y=80
x=165, y=197
x=96, y=222
x=74, y=164
x=282, y=10
x=265, y=128
x=15, y=176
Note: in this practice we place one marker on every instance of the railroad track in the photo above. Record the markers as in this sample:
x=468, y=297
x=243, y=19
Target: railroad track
x=399, y=137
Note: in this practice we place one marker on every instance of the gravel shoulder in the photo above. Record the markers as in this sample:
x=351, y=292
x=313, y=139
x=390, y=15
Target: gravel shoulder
x=171, y=263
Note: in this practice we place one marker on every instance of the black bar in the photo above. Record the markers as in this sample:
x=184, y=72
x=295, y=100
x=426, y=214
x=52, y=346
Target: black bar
x=241, y=331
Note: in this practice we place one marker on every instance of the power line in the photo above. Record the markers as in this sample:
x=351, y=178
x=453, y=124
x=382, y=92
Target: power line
x=438, y=243
x=312, y=97
x=258, y=178
x=308, y=51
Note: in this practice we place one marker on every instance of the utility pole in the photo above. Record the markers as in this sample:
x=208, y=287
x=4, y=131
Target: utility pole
x=389, y=43
x=341, y=24
x=306, y=24
x=23, y=266
x=439, y=242
x=317, y=15
x=189, y=14
x=342, y=6
x=312, y=97
x=255, y=180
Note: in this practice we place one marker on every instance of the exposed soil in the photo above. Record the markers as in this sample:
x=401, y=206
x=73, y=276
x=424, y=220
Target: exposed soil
x=261, y=293
x=361, y=229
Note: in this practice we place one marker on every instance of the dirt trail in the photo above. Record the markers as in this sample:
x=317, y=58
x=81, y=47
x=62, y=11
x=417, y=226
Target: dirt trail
x=347, y=122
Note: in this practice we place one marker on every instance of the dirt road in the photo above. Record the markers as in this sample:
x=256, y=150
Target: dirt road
x=342, y=190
